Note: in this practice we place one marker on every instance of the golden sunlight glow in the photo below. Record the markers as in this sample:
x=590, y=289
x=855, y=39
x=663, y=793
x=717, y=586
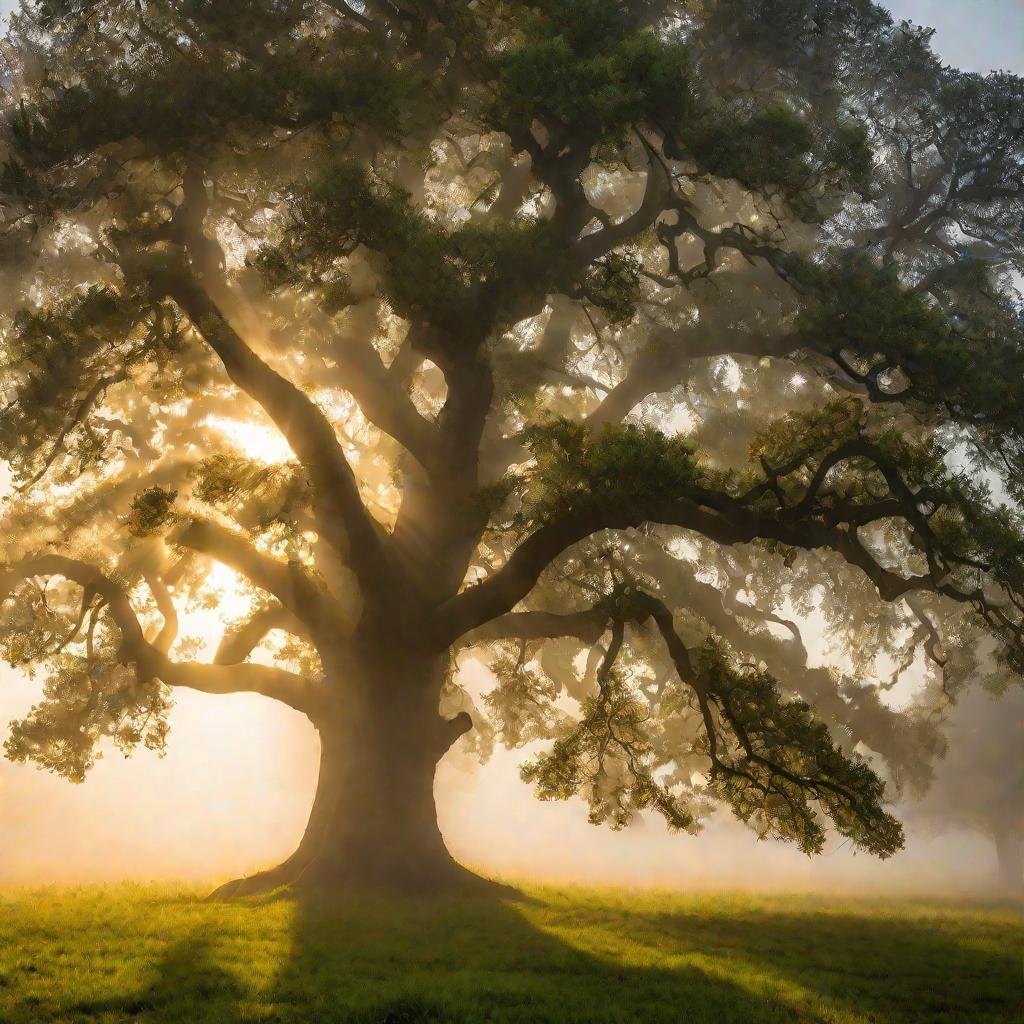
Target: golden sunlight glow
x=222, y=599
x=256, y=441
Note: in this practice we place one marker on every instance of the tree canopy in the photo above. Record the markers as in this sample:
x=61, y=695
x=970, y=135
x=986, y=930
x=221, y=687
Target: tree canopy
x=612, y=343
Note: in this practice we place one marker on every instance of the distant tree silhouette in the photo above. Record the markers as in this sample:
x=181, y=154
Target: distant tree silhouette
x=979, y=784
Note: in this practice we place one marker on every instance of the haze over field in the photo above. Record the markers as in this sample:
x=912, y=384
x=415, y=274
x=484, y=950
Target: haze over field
x=234, y=789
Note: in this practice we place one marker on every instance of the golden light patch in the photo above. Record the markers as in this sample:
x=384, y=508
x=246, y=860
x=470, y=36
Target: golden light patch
x=256, y=441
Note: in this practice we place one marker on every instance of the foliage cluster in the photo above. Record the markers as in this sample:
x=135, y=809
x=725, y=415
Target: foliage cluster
x=606, y=758
x=578, y=468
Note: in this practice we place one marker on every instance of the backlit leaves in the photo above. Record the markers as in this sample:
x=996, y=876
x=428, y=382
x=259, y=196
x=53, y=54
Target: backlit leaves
x=773, y=758
x=88, y=697
x=607, y=759
x=589, y=70
x=579, y=467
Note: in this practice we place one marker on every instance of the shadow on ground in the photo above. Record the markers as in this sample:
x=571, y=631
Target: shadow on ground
x=559, y=958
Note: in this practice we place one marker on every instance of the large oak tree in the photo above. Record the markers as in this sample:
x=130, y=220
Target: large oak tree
x=614, y=342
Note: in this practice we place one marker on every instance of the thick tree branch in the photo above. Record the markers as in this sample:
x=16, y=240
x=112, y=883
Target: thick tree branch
x=287, y=581
x=349, y=13
x=341, y=514
x=164, y=640
x=661, y=367
x=439, y=523
x=385, y=402
x=717, y=515
x=587, y=625
x=657, y=193
x=814, y=783
x=237, y=644
x=151, y=662
x=382, y=399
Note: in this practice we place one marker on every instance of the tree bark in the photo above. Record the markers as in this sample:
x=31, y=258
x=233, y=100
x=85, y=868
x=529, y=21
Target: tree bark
x=373, y=824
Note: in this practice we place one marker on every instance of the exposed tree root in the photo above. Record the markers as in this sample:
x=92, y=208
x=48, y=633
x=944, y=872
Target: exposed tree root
x=299, y=876
x=259, y=884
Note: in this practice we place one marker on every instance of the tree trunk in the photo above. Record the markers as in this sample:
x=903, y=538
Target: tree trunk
x=1010, y=855
x=373, y=824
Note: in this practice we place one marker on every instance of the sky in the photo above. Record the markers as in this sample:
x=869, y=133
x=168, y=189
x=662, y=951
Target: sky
x=234, y=760
x=976, y=35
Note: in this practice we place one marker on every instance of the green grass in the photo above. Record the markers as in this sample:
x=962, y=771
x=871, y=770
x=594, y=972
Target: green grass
x=162, y=955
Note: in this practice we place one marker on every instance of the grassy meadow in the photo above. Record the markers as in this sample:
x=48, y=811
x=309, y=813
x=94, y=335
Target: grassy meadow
x=132, y=953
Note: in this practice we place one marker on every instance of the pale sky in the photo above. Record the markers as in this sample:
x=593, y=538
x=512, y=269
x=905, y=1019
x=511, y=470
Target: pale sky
x=976, y=35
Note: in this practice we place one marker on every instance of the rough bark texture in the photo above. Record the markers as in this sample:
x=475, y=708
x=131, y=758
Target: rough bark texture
x=373, y=823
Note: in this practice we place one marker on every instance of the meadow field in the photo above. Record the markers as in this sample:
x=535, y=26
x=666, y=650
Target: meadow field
x=133, y=953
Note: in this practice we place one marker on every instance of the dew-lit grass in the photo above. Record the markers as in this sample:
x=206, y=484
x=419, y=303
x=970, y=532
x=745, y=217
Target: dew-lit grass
x=557, y=955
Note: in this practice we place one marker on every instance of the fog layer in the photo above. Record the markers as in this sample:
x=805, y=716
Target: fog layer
x=234, y=790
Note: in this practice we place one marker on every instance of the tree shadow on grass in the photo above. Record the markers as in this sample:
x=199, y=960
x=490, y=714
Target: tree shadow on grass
x=567, y=959
x=190, y=985
x=875, y=962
